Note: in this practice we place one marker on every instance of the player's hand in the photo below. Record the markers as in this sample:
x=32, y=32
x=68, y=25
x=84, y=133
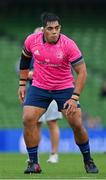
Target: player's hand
x=70, y=106
x=21, y=93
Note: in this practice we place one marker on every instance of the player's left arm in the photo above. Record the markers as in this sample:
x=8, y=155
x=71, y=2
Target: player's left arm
x=77, y=62
x=79, y=66
x=81, y=72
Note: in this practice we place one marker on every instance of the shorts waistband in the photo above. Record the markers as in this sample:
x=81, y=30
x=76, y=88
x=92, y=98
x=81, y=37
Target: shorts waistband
x=53, y=91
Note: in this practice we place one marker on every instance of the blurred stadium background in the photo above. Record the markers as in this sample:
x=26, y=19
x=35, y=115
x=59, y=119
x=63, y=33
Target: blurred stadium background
x=82, y=20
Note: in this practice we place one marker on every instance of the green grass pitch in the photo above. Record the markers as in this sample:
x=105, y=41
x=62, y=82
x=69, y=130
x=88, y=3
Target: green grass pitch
x=70, y=166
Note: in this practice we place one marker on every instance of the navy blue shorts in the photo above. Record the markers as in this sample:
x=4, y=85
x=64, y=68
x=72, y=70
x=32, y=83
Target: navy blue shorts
x=42, y=98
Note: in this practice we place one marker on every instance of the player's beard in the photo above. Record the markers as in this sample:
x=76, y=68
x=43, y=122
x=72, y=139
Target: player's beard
x=54, y=39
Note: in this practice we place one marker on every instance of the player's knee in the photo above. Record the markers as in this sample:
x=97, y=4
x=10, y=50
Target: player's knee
x=77, y=126
x=27, y=119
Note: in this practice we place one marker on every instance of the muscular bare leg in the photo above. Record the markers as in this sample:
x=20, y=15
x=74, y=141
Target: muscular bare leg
x=75, y=122
x=31, y=116
x=81, y=138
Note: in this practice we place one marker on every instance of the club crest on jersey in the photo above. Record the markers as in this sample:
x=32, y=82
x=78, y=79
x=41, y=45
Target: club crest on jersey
x=36, y=52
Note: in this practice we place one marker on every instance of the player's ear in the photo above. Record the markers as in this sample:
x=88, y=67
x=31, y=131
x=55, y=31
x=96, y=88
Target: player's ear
x=42, y=29
x=60, y=27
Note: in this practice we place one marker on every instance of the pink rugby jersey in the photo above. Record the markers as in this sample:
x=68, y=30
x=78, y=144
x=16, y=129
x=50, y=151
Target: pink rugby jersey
x=53, y=62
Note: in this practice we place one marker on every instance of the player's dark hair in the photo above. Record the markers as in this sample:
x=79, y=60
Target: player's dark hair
x=49, y=17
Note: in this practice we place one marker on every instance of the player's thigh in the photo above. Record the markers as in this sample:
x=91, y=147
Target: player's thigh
x=32, y=113
x=74, y=119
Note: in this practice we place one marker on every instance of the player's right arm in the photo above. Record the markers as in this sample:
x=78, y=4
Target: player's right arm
x=25, y=61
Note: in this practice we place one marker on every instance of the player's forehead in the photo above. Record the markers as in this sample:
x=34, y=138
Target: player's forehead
x=52, y=24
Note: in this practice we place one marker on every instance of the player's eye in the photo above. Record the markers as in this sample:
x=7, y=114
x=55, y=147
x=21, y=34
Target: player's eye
x=57, y=28
x=49, y=28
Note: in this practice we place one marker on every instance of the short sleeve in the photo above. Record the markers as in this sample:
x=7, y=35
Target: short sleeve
x=74, y=53
x=27, y=42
